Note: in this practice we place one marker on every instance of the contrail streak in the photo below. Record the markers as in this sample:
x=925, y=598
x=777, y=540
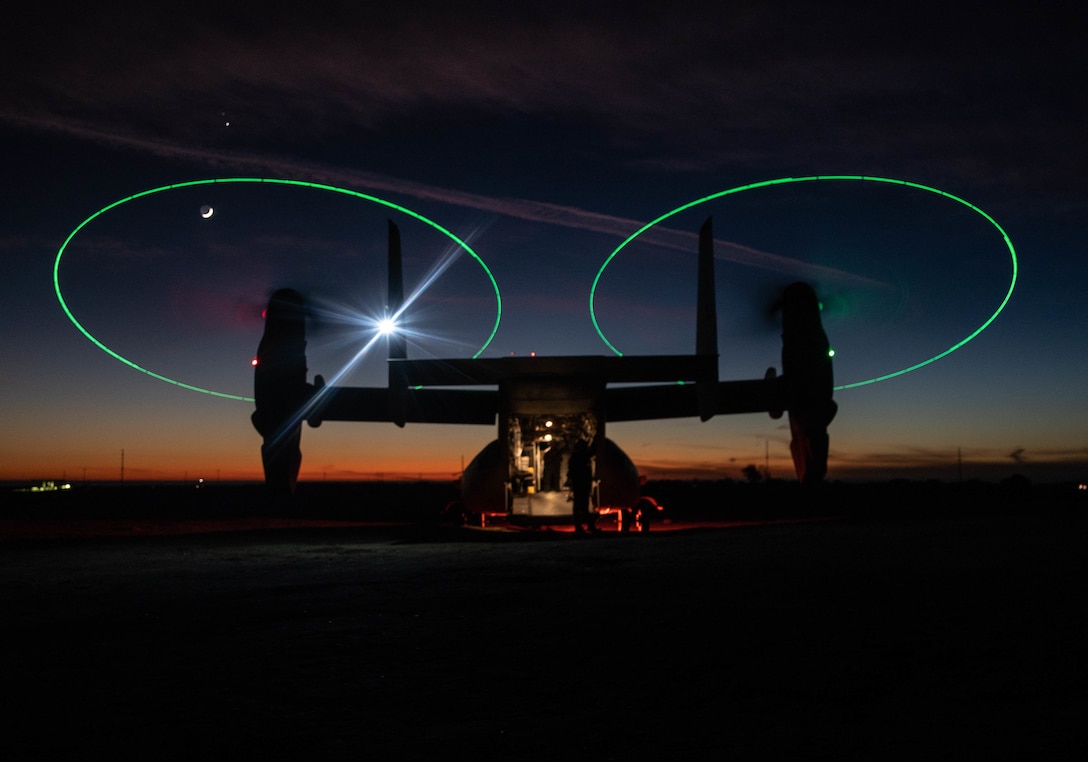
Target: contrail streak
x=524, y=209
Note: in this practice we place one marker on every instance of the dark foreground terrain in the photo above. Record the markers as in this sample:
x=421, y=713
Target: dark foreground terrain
x=872, y=636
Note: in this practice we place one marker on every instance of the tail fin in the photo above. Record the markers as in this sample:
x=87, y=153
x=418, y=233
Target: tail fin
x=398, y=345
x=706, y=325
x=706, y=328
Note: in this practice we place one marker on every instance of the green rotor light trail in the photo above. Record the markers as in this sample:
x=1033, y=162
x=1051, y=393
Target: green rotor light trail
x=815, y=178
x=267, y=181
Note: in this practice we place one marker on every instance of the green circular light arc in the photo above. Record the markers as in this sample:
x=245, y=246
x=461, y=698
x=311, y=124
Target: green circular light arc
x=814, y=178
x=269, y=181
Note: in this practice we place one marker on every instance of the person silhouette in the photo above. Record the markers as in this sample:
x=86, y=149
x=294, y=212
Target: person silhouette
x=580, y=479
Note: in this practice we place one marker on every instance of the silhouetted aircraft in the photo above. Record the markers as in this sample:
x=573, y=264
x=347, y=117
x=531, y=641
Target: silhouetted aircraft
x=545, y=406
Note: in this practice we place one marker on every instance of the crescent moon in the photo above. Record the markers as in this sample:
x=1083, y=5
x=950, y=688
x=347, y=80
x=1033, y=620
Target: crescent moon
x=206, y=211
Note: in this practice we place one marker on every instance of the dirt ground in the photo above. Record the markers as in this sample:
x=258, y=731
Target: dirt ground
x=897, y=639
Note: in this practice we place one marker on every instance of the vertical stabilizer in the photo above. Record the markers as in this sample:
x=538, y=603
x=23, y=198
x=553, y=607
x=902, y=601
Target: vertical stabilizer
x=706, y=329
x=706, y=326
x=398, y=345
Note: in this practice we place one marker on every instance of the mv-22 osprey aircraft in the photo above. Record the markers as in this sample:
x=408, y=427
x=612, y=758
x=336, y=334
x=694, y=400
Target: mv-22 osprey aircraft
x=546, y=407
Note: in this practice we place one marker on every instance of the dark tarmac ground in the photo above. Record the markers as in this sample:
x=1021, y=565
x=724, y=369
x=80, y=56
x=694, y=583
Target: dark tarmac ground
x=891, y=638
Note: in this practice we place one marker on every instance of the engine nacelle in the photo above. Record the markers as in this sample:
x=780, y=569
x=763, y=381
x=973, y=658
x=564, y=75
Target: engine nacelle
x=280, y=389
x=807, y=373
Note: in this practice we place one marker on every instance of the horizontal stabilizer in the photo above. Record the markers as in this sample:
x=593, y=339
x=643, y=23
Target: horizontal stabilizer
x=606, y=369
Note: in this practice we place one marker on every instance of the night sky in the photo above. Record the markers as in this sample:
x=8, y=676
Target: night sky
x=543, y=135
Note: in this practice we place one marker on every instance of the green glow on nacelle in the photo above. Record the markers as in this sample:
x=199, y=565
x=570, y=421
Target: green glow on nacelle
x=271, y=181
x=815, y=178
